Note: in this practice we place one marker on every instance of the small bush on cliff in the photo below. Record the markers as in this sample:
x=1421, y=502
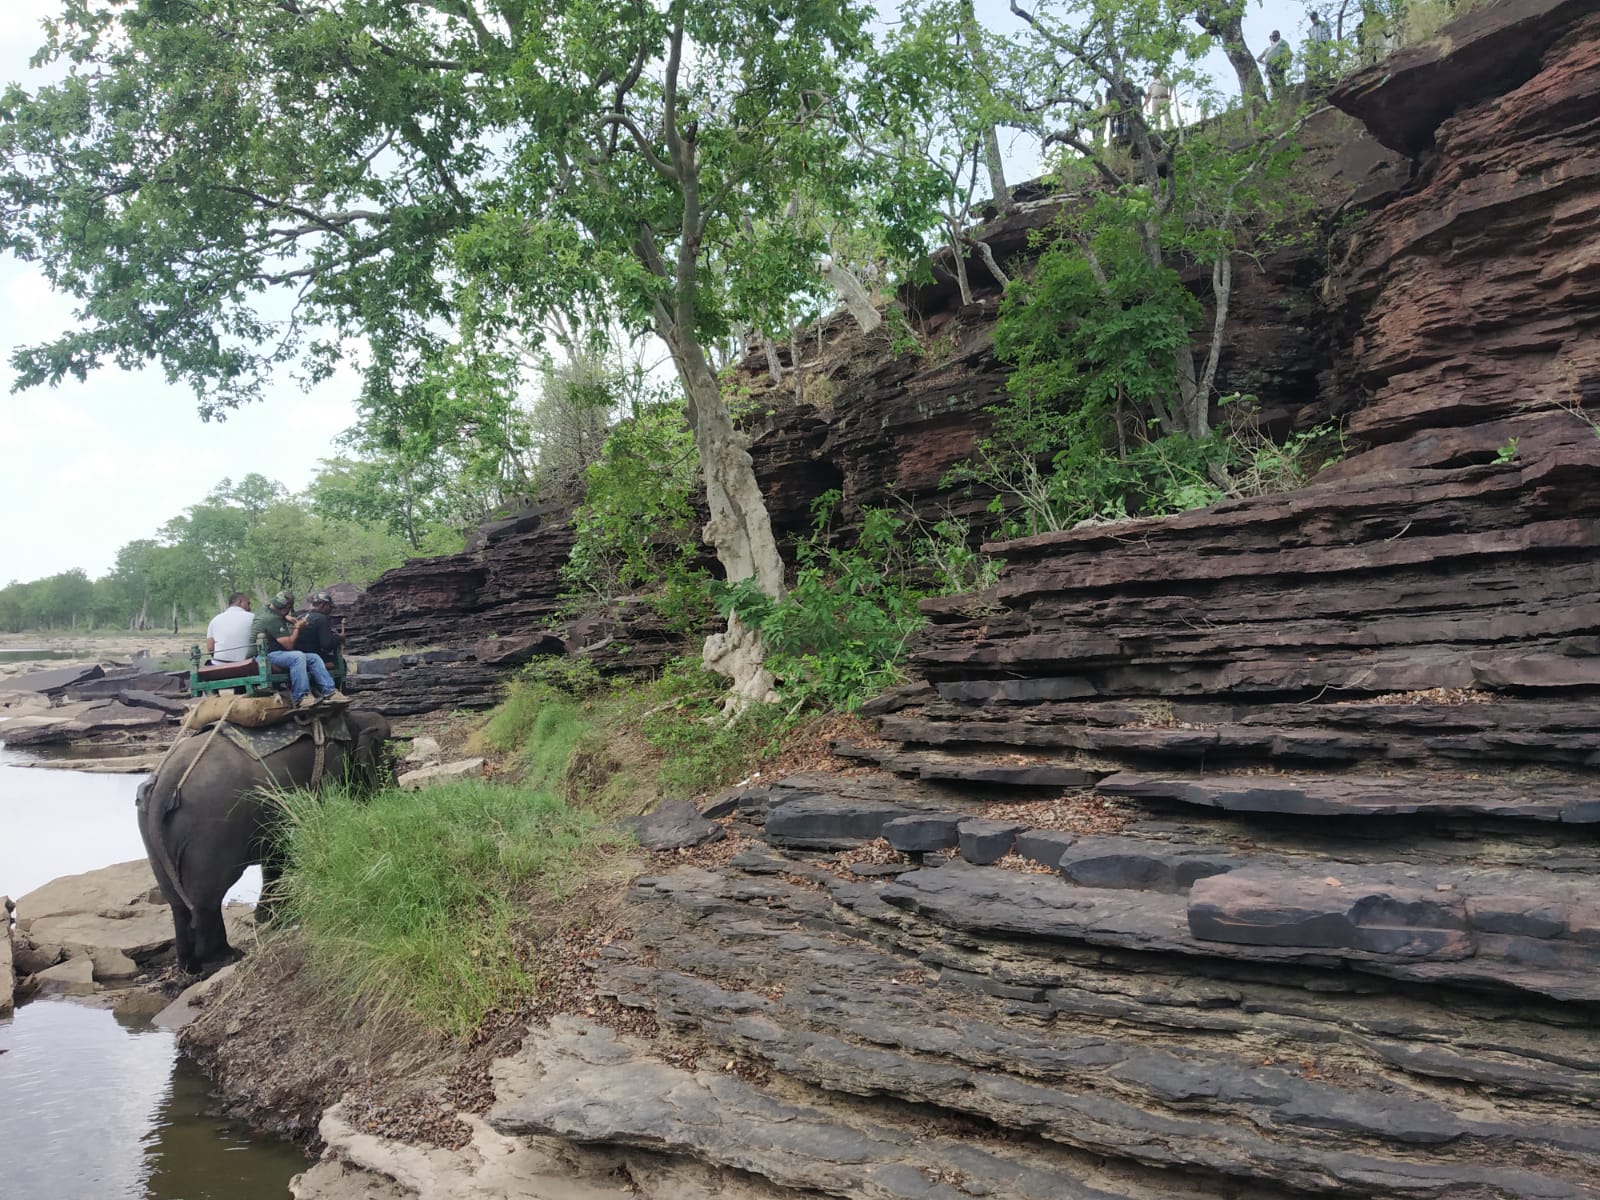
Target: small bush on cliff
x=838, y=636
x=414, y=900
x=636, y=527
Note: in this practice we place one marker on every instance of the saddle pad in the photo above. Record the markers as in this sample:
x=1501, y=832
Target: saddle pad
x=239, y=710
x=261, y=743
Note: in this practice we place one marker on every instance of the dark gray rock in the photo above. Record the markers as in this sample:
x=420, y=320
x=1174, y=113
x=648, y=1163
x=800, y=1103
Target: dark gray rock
x=57, y=680
x=1262, y=907
x=1571, y=801
x=142, y=699
x=724, y=805
x=673, y=825
x=518, y=650
x=758, y=862
x=1112, y=862
x=923, y=833
x=374, y=667
x=1045, y=846
x=122, y=682
x=983, y=841
x=826, y=823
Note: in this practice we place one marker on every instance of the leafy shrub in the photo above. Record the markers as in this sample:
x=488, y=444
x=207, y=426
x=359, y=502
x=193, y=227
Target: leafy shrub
x=837, y=637
x=637, y=523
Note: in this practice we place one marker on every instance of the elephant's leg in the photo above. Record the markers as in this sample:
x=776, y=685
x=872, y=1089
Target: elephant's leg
x=211, y=936
x=183, y=935
x=271, y=873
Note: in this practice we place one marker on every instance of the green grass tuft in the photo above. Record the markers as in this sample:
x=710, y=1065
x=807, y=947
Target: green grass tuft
x=411, y=899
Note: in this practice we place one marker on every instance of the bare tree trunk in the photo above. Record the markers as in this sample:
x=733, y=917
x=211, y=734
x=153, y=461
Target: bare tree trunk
x=1222, y=292
x=798, y=383
x=973, y=32
x=774, y=365
x=987, y=255
x=958, y=253
x=740, y=529
x=1225, y=22
x=1191, y=416
x=849, y=289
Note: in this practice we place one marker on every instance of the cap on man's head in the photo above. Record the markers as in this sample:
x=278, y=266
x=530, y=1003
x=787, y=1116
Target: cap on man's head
x=319, y=598
x=281, y=600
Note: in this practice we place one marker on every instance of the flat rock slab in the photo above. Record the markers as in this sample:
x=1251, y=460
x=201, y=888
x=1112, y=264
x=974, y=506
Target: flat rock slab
x=140, y=932
x=519, y=650
x=1366, y=795
x=75, y=977
x=465, y=768
x=1010, y=770
x=1155, y=1063
x=191, y=1001
x=581, y=1081
x=81, y=722
x=924, y=833
x=1124, y=862
x=829, y=822
x=673, y=825
x=983, y=841
x=110, y=887
x=126, y=682
x=120, y=764
x=1275, y=908
x=1046, y=907
x=51, y=681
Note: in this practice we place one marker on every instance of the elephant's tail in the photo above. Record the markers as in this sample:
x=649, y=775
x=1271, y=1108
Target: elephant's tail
x=156, y=843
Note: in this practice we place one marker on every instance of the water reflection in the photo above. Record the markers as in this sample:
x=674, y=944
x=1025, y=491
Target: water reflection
x=95, y=1110
x=62, y=823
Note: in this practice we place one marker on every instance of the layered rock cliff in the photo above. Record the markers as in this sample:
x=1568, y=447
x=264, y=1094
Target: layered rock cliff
x=880, y=423
x=1250, y=853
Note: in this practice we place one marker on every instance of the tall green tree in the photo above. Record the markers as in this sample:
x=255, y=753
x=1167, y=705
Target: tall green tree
x=230, y=186
x=1196, y=194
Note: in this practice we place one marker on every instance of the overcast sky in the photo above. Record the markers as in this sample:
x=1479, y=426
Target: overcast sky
x=85, y=468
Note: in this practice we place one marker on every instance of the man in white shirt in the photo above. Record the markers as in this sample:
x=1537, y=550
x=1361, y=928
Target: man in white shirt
x=1276, y=59
x=228, y=635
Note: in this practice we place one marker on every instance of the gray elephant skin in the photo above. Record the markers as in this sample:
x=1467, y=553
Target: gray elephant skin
x=207, y=813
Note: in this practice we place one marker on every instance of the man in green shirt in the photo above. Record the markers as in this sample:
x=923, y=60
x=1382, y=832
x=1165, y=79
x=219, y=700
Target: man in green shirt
x=283, y=630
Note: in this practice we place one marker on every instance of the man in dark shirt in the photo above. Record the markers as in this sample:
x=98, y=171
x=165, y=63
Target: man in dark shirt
x=283, y=632
x=320, y=636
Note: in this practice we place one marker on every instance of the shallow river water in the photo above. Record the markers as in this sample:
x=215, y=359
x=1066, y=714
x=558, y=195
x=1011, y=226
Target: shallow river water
x=92, y=1108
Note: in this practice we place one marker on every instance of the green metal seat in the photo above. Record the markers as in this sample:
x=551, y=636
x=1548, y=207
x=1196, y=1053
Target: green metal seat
x=254, y=675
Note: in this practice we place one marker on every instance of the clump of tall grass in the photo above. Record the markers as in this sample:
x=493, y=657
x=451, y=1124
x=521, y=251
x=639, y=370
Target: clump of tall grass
x=546, y=713
x=413, y=899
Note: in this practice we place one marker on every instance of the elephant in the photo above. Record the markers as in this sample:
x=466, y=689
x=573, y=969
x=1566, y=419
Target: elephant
x=206, y=813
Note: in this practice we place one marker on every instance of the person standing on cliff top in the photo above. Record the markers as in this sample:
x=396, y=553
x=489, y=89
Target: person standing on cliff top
x=1276, y=59
x=1158, y=102
x=1319, y=53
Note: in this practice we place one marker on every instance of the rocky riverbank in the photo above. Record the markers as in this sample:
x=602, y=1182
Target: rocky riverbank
x=117, y=696
x=1245, y=855
x=103, y=937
